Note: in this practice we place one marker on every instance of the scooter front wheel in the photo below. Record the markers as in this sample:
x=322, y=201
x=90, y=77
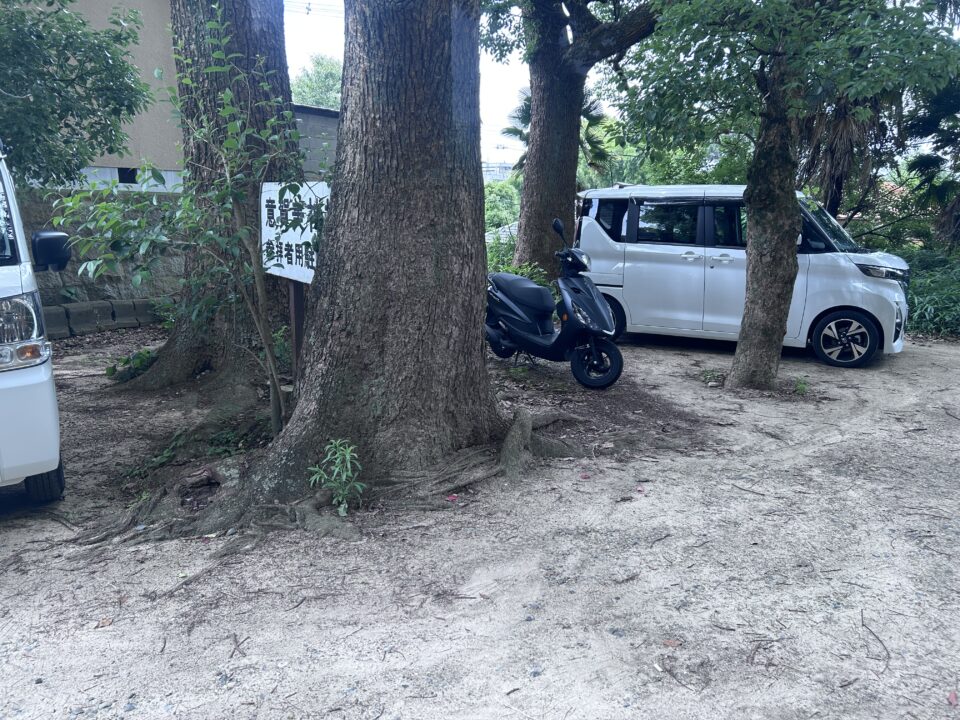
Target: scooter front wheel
x=600, y=372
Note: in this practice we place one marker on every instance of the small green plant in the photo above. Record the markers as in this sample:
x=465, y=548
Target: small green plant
x=164, y=457
x=129, y=366
x=70, y=294
x=801, y=386
x=713, y=376
x=337, y=472
x=281, y=348
x=166, y=308
x=518, y=372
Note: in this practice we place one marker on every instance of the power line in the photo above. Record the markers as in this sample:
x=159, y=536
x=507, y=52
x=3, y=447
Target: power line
x=314, y=8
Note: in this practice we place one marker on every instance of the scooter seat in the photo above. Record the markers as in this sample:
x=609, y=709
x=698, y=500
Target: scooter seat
x=524, y=291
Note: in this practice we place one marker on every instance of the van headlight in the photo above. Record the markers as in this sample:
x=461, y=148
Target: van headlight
x=887, y=273
x=22, y=340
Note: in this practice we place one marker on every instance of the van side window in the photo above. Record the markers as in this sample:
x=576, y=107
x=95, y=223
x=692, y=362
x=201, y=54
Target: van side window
x=729, y=226
x=668, y=224
x=812, y=242
x=8, y=238
x=609, y=214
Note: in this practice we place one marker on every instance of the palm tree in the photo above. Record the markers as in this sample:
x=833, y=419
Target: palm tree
x=593, y=136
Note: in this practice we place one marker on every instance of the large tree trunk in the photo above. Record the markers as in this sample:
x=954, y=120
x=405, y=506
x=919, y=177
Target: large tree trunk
x=394, y=360
x=550, y=171
x=558, y=71
x=773, y=224
x=255, y=29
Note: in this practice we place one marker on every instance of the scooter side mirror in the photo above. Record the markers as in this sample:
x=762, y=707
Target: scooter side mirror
x=558, y=227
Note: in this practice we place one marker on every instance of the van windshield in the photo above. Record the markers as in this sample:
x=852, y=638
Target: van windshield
x=830, y=227
x=8, y=237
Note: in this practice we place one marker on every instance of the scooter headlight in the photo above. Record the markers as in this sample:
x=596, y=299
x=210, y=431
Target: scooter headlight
x=582, y=316
x=22, y=340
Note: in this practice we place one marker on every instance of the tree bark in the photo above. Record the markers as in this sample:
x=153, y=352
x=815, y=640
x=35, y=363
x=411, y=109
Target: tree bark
x=255, y=29
x=773, y=224
x=394, y=360
x=550, y=171
x=558, y=71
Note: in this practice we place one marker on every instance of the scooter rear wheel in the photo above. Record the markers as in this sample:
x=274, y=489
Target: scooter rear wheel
x=597, y=375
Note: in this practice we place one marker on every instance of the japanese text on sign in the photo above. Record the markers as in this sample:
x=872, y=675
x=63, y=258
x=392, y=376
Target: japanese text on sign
x=286, y=228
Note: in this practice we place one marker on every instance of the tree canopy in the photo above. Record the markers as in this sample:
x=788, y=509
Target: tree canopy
x=701, y=73
x=319, y=84
x=66, y=89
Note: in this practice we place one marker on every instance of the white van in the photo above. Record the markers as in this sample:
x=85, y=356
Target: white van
x=29, y=421
x=672, y=259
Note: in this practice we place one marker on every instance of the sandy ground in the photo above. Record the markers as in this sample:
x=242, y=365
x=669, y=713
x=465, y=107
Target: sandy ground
x=750, y=556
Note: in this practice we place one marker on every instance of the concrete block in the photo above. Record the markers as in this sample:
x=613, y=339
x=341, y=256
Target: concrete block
x=55, y=322
x=125, y=314
x=89, y=317
x=81, y=318
x=145, y=314
x=103, y=314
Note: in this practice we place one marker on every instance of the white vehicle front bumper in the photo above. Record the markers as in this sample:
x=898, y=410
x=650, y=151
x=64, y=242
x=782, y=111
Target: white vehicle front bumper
x=29, y=423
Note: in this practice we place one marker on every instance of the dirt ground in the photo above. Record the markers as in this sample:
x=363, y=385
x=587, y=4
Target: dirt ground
x=784, y=555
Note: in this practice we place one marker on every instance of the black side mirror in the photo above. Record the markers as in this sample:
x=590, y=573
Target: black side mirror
x=558, y=226
x=51, y=250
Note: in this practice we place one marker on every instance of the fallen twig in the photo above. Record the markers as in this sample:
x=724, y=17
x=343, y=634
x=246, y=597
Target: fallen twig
x=659, y=539
x=882, y=644
x=752, y=492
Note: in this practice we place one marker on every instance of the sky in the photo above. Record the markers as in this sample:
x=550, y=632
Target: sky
x=320, y=31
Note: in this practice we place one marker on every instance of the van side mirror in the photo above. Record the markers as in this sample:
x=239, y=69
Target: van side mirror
x=558, y=226
x=51, y=250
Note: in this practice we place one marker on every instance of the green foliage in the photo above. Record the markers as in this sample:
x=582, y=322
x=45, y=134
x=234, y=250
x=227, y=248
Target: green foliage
x=337, y=472
x=713, y=376
x=801, y=386
x=723, y=162
x=703, y=71
x=501, y=204
x=130, y=366
x=501, y=246
x=66, y=89
x=319, y=84
x=281, y=346
x=164, y=457
x=934, y=291
x=595, y=126
x=166, y=308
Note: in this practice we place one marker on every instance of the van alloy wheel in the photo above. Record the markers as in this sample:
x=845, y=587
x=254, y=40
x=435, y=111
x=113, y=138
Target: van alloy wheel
x=846, y=339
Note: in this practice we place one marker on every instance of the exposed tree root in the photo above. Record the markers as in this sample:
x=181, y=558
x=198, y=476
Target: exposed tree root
x=520, y=445
x=213, y=501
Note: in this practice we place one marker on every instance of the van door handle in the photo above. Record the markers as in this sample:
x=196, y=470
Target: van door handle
x=690, y=256
x=722, y=258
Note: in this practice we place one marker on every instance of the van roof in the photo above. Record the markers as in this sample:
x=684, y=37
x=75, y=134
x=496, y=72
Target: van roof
x=664, y=192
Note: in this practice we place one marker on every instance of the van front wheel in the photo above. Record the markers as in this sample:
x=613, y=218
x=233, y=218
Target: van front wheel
x=45, y=487
x=619, y=317
x=846, y=338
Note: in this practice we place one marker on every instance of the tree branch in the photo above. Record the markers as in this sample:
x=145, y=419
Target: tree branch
x=581, y=19
x=604, y=40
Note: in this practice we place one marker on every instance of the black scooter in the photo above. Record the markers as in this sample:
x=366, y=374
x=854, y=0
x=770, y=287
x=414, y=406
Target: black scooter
x=520, y=319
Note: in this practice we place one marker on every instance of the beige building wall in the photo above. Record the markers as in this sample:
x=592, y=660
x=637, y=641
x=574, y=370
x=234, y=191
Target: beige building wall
x=154, y=134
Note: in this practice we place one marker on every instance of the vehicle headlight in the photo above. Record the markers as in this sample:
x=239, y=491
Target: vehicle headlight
x=22, y=340
x=586, y=261
x=887, y=273
x=582, y=315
